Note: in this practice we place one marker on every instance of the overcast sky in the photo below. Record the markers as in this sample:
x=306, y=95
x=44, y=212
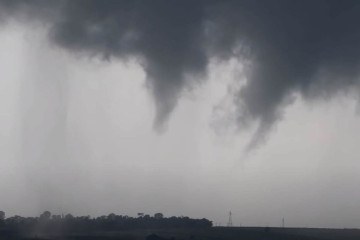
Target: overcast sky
x=190, y=117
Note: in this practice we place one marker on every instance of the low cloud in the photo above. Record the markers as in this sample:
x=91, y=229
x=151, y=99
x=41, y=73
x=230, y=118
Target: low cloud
x=311, y=48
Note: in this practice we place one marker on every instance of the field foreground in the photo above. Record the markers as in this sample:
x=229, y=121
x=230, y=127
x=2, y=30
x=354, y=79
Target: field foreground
x=214, y=233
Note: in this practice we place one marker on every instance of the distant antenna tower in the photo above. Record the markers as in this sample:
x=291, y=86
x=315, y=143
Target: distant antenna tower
x=230, y=223
x=283, y=222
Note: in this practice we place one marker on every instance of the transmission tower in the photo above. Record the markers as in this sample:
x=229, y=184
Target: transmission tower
x=230, y=223
x=283, y=222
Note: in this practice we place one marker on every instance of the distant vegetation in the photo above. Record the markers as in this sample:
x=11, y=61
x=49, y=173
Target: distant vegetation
x=146, y=227
x=47, y=223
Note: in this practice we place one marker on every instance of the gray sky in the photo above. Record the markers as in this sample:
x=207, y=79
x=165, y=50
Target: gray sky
x=87, y=132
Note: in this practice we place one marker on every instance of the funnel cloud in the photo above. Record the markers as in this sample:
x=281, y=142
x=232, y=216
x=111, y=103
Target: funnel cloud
x=291, y=48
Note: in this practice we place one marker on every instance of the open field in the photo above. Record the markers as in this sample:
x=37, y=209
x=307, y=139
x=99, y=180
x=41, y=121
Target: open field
x=214, y=233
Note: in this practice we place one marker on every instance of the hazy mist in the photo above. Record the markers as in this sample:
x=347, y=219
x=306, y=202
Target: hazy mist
x=186, y=108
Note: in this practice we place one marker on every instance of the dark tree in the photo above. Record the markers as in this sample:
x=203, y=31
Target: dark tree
x=158, y=215
x=45, y=215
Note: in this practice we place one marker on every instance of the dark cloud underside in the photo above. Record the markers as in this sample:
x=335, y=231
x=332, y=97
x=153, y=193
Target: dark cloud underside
x=306, y=47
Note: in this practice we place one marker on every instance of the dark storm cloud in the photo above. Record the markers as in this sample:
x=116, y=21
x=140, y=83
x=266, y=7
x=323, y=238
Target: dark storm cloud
x=164, y=35
x=306, y=47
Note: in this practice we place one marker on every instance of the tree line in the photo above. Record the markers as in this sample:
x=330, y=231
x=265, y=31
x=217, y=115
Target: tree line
x=53, y=224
